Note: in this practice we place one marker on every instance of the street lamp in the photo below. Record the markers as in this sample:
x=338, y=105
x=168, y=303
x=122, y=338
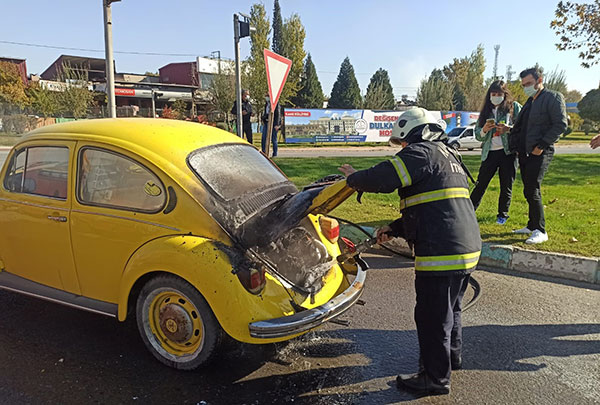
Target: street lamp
x=110, y=73
x=241, y=29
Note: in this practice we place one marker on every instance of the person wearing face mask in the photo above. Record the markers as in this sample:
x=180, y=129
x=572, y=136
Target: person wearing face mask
x=541, y=122
x=276, y=126
x=246, y=114
x=497, y=114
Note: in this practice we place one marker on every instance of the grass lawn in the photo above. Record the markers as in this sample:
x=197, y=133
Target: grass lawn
x=571, y=194
x=8, y=139
x=577, y=138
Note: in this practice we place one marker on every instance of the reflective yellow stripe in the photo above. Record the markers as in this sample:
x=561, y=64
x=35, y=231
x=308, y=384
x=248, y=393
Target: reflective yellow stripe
x=402, y=171
x=452, y=262
x=436, y=195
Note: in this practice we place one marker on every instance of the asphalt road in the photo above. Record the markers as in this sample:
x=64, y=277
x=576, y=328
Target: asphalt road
x=527, y=341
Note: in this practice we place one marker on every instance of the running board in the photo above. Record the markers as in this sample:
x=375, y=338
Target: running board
x=21, y=285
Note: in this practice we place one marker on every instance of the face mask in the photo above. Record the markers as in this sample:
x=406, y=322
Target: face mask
x=267, y=99
x=496, y=100
x=530, y=90
x=247, y=98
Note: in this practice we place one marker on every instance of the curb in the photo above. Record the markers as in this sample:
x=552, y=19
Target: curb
x=513, y=258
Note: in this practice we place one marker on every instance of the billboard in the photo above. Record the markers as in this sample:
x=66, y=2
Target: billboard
x=329, y=125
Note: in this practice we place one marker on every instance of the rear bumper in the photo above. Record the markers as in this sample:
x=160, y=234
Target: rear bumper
x=311, y=318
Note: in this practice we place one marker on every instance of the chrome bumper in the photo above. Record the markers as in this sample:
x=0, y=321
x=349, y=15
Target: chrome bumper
x=311, y=318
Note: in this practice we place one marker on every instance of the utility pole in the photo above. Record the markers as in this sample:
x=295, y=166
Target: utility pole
x=241, y=29
x=110, y=70
x=497, y=50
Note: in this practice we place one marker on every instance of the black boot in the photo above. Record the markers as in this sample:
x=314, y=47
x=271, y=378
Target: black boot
x=420, y=383
x=456, y=362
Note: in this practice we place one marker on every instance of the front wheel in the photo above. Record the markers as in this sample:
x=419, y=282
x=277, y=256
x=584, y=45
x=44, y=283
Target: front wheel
x=176, y=323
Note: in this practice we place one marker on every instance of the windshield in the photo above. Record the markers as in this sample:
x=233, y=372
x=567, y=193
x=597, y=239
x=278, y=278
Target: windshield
x=232, y=170
x=455, y=132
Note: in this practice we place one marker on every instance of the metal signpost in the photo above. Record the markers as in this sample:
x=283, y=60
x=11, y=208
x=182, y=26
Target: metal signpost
x=110, y=69
x=278, y=69
x=241, y=29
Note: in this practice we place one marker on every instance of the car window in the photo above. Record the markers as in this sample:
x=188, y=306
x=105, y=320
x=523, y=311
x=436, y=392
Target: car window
x=112, y=180
x=39, y=170
x=468, y=132
x=234, y=169
x=455, y=132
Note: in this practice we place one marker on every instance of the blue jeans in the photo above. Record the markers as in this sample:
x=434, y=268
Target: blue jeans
x=263, y=144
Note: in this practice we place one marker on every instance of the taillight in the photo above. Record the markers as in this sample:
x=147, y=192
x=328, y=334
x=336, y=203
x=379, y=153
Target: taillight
x=252, y=279
x=330, y=228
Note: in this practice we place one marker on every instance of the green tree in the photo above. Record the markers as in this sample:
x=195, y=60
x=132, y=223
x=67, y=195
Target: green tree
x=12, y=88
x=76, y=98
x=293, y=49
x=278, y=39
x=345, y=92
x=573, y=96
x=310, y=94
x=436, y=92
x=556, y=80
x=576, y=121
x=578, y=26
x=589, y=106
x=222, y=91
x=517, y=92
x=255, y=74
x=45, y=102
x=466, y=76
x=180, y=109
x=380, y=94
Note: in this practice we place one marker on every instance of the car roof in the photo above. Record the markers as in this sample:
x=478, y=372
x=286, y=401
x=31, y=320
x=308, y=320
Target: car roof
x=164, y=142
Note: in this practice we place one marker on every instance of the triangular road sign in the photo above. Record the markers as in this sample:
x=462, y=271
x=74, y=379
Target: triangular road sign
x=278, y=69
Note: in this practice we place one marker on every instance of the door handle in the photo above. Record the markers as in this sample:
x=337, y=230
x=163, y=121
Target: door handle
x=57, y=218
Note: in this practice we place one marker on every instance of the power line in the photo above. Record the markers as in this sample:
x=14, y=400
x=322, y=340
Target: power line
x=96, y=50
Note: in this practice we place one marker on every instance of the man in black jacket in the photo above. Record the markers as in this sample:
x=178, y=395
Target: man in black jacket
x=246, y=114
x=541, y=122
x=438, y=221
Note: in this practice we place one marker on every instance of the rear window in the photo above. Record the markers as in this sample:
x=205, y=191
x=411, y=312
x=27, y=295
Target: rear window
x=455, y=132
x=235, y=169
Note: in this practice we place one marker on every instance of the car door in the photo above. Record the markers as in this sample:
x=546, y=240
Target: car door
x=117, y=208
x=35, y=202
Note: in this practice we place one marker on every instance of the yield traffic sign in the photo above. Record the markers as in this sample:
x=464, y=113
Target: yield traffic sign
x=278, y=69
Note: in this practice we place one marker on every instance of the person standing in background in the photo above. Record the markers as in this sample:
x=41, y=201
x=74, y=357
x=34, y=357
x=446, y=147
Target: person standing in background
x=246, y=114
x=495, y=119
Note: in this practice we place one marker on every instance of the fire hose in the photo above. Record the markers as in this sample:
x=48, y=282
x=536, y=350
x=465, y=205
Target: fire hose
x=370, y=242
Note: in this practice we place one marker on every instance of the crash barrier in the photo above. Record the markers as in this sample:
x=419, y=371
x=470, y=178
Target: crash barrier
x=331, y=125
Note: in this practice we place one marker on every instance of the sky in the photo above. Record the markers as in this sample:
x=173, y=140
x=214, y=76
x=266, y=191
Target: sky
x=407, y=38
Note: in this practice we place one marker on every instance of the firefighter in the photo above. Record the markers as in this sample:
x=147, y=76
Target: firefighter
x=438, y=221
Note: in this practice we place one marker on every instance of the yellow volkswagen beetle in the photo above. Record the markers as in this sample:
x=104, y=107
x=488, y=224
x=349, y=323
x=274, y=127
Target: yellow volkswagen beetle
x=188, y=227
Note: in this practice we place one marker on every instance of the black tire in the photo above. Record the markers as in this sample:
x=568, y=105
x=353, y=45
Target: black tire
x=183, y=332
x=454, y=145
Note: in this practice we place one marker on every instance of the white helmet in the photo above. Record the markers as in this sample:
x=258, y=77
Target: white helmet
x=409, y=120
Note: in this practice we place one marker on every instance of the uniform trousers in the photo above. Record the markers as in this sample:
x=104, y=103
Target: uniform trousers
x=438, y=318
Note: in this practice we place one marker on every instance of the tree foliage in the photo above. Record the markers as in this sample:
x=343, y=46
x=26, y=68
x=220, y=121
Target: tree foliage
x=310, y=94
x=589, y=106
x=222, y=90
x=466, y=76
x=44, y=101
x=556, y=80
x=436, y=92
x=573, y=96
x=12, y=88
x=278, y=46
x=517, y=92
x=293, y=49
x=345, y=92
x=578, y=27
x=255, y=74
x=76, y=98
x=380, y=94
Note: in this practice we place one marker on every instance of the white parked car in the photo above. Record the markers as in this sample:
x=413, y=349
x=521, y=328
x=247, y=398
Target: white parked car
x=463, y=137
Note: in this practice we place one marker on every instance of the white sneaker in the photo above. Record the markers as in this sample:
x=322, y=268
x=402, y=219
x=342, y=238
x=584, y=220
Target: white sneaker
x=537, y=237
x=522, y=231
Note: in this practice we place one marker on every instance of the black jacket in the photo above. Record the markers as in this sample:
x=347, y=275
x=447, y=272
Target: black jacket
x=246, y=106
x=276, y=115
x=541, y=121
x=438, y=218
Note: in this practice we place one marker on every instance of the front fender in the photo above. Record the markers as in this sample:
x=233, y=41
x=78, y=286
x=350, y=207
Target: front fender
x=206, y=265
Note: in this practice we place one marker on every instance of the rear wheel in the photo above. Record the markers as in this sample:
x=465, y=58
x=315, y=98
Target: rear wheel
x=176, y=323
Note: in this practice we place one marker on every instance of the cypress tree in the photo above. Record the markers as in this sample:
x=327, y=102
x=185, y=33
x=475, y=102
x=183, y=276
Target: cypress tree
x=380, y=95
x=311, y=92
x=345, y=92
x=277, y=29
